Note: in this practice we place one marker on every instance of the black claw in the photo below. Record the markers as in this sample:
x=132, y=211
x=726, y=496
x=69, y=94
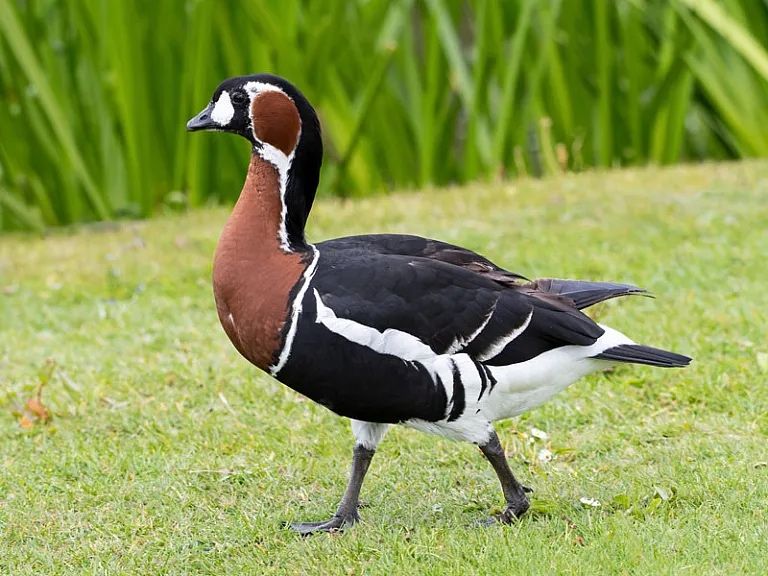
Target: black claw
x=517, y=509
x=514, y=511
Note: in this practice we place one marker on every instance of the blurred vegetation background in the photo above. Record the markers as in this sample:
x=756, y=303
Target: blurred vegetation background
x=94, y=94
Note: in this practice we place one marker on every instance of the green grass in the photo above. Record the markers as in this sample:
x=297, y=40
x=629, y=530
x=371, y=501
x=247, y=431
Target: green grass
x=94, y=95
x=169, y=454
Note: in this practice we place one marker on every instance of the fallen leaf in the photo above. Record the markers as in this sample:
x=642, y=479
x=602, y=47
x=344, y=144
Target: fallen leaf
x=36, y=407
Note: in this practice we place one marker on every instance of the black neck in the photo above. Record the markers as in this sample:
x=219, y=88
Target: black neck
x=303, y=178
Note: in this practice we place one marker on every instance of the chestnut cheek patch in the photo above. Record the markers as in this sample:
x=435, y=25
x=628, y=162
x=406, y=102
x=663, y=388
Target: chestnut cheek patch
x=276, y=121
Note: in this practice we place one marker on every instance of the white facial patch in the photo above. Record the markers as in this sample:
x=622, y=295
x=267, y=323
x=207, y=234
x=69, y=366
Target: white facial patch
x=223, y=111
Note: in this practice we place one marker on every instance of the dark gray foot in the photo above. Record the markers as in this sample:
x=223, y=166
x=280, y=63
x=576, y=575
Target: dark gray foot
x=514, y=511
x=346, y=513
x=514, y=492
x=335, y=524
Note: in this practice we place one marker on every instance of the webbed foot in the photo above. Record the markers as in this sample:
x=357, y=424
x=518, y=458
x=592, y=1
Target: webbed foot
x=514, y=511
x=335, y=524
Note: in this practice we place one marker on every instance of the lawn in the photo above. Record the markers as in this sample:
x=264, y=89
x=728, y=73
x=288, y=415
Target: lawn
x=166, y=453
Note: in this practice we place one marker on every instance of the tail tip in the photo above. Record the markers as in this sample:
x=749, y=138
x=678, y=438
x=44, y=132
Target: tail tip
x=639, y=354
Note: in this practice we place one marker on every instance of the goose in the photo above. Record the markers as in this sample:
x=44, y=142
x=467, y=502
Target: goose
x=388, y=329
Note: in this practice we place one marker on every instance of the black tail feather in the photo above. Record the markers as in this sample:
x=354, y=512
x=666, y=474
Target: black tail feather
x=639, y=354
x=584, y=293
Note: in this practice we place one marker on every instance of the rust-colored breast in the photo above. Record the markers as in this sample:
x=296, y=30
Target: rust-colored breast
x=253, y=277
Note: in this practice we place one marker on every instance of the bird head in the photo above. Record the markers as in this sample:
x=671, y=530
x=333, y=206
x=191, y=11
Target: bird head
x=283, y=130
x=266, y=110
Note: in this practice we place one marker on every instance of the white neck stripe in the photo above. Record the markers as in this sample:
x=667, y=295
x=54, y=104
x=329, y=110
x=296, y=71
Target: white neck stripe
x=275, y=156
x=282, y=164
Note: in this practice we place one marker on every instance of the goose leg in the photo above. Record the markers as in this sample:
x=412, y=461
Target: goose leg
x=514, y=492
x=346, y=513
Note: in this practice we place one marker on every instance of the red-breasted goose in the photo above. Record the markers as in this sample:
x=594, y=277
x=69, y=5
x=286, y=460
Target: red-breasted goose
x=385, y=328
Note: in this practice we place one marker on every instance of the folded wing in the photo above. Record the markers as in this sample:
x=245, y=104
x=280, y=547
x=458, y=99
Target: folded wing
x=447, y=306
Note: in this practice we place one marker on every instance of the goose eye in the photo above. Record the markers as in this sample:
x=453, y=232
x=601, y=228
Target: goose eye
x=239, y=98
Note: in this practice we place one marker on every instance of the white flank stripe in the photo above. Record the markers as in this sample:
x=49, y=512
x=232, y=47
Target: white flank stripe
x=407, y=347
x=295, y=313
x=496, y=348
x=391, y=341
x=460, y=343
